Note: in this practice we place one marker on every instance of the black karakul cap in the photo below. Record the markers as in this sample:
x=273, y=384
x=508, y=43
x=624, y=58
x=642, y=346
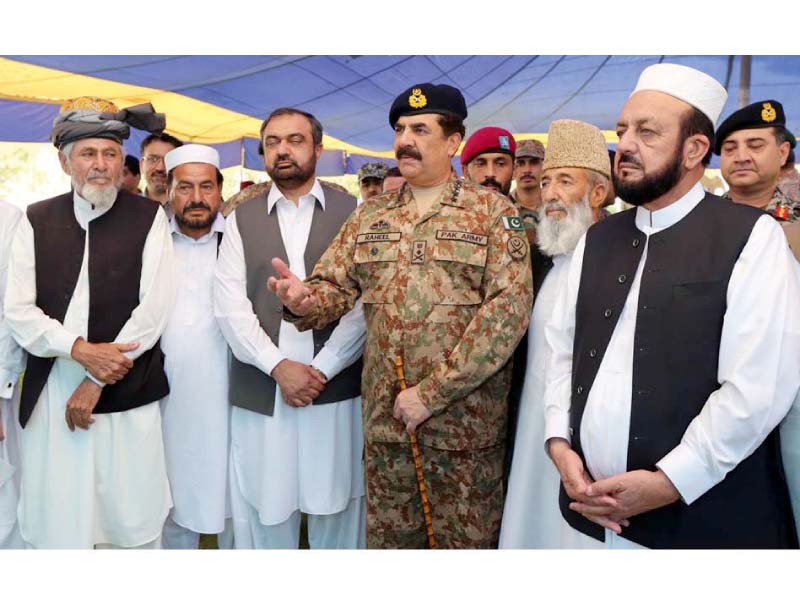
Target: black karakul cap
x=766, y=113
x=428, y=98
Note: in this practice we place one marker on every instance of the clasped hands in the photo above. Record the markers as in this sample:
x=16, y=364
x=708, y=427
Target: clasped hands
x=105, y=362
x=610, y=502
x=300, y=383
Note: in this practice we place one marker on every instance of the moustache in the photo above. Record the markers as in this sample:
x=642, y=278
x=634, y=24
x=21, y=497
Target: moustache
x=491, y=181
x=407, y=151
x=196, y=205
x=628, y=158
x=555, y=205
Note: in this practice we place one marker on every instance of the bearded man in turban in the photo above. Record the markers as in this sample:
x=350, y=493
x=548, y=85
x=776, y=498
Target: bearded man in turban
x=90, y=288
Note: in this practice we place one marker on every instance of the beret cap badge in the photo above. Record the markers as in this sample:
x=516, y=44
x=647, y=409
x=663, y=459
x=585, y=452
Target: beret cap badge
x=769, y=114
x=417, y=99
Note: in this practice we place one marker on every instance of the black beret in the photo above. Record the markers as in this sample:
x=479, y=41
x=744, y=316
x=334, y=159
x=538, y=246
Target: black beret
x=766, y=113
x=428, y=98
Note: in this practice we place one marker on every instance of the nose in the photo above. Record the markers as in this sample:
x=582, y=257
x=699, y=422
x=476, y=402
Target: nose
x=197, y=194
x=549, y=193
x=403, y=138
x=740, y=154
x=491, y=171
x=626, y=144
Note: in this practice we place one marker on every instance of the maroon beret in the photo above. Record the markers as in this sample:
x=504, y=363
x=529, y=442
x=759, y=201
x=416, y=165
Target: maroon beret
x=488, y=139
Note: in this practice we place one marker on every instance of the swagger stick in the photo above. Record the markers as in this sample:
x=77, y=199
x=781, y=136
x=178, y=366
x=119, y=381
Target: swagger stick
x=423, y=492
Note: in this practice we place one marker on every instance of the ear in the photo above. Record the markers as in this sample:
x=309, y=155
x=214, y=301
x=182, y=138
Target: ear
x=453, y=143
x=64, y=164
x=783, y=152
x=465, y=170
x=597, y=197
x=318, y=150
x=695, y=148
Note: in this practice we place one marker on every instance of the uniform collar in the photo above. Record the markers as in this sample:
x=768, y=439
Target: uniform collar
x=275, y=194
x=450, y=196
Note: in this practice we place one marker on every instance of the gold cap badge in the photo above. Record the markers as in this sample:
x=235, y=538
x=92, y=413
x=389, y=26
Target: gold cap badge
x=768, y=114
x=417, y=99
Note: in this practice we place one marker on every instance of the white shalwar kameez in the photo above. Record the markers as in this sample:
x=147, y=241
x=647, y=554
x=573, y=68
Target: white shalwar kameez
x=758, y=365
x=531, y=517
x=12, y=362
x=195, y=415
x=105, y=486
x=305, y=459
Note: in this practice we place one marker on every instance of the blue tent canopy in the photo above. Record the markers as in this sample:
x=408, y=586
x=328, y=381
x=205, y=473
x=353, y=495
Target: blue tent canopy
x=221, y=99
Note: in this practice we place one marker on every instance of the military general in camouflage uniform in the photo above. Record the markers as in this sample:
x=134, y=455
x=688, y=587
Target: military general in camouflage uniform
x=442, y=267
x=753, y=144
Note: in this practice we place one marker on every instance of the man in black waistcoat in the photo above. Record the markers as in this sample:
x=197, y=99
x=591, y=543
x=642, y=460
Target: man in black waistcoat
x=675, y=345
x=90, y=287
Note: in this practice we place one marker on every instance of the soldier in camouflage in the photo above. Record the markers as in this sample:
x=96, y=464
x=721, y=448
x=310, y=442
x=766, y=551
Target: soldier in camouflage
x=753, y=144
x=443, y=270
x=527, y=196
x=370, y=180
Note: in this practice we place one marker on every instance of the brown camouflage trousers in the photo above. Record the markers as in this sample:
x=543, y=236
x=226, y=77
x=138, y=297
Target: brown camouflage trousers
x=465, y=489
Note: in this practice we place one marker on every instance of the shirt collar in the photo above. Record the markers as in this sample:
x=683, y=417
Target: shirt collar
x=275, y=194
x=669, y=215
x=218, y=226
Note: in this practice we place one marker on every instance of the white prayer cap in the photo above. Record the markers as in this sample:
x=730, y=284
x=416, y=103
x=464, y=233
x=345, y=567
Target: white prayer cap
x=702, y=91
x=191, y=153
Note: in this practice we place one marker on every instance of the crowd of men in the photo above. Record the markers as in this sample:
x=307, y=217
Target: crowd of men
x=442, y=362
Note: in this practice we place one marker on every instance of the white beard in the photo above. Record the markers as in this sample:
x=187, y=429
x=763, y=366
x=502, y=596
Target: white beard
x=99, y=197
x=556, y=237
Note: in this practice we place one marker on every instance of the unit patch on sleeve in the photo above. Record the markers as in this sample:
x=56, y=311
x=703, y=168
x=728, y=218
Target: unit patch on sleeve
x=517, y=248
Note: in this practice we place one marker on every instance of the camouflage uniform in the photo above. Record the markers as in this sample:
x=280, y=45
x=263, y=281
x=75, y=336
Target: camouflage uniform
x=450, y=292
x=782, y=207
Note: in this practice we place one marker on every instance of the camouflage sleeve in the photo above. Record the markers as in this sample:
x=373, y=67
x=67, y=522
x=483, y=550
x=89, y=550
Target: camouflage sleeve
x=497, y=327
x=331, y=283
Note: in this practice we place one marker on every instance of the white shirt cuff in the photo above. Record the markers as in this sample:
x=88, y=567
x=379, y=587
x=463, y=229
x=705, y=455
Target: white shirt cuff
x=269, y=358
x=687, y=472
x=327, y=362
x=93, y=378
x=62, y=342
x=557, y=426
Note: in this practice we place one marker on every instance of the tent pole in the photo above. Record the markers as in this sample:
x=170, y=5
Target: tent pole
x=744, y=81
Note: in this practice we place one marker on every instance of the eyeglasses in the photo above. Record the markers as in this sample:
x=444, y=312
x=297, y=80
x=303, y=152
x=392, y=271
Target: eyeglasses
x=153, y=159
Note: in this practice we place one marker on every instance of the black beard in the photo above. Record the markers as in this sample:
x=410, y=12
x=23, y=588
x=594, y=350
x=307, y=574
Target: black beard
x=652, y=185
x=195, y=223
x=293, y=178
x=492, y=183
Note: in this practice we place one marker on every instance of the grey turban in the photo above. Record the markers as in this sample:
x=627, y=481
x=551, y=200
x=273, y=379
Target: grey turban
x=74, y=125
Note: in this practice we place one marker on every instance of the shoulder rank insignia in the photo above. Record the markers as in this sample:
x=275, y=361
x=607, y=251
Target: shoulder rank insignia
x=417, y=99
x=768, y=114
x=379, y=224
x=513, y=224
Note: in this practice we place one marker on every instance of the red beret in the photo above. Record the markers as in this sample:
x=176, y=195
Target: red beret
x=488, y=139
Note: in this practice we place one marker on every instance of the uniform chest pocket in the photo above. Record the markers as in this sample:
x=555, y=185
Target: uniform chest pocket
x=458, y=272
x=376, y=267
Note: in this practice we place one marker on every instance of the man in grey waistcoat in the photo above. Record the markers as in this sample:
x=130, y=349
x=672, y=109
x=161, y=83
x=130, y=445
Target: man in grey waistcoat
x=296, y=431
